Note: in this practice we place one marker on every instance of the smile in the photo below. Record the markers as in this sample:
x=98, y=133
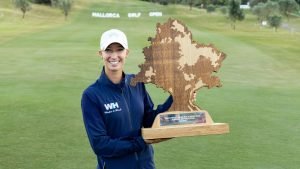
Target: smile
x=113, y=62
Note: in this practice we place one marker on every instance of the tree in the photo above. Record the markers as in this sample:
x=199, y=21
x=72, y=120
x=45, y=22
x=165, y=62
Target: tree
x=47, y=2
x=259, y=11
x=255, y=2
x=235, y=13
x=191, y=3
x=264, y=10
x=163, y=2
x=210, y=8
x=274, y=21
x=286, y=7
x=224, y=10
x=271, y=8
x=244, y=1
x=218, y=2
x=24, y=6
x=54, y=3
x=204, y=3
x=65, y=6
x=222, y=2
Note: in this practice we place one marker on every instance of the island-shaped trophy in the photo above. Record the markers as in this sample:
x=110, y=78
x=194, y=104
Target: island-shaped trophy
x=181, y=66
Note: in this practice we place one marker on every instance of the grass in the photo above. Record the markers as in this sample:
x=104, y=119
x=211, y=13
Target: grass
x=46, y=63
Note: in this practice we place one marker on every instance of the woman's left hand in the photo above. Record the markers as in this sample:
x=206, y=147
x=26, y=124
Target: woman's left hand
x=153, y=141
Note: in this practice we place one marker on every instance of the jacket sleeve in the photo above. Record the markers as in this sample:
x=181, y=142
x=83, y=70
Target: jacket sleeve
x=149, y=112
x=101, y=143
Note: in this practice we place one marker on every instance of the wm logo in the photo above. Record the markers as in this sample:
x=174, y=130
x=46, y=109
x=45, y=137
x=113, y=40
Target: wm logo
x=111, y=106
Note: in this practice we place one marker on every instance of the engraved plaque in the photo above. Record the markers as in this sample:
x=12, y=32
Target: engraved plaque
x=182, y=118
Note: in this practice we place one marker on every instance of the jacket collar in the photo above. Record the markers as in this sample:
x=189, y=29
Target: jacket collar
x=103, y=79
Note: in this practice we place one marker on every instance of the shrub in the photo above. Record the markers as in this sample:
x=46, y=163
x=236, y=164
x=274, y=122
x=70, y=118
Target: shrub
x=224, y=10
x=47, y=2
x=163, y=2
x=210, y=8
x=274, y=21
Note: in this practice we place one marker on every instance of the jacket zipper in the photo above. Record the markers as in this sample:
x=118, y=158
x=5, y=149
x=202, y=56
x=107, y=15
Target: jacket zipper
x=126, y=104
x=135, y=153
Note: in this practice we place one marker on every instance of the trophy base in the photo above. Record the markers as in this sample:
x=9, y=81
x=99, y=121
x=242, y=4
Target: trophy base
x=185, y=130
x=182, y=124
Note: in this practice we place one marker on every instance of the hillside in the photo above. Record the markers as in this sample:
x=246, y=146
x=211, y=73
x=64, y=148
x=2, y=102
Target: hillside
x=46, y=63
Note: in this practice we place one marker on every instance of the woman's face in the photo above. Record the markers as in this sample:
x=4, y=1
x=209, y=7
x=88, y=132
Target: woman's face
x=114, y=57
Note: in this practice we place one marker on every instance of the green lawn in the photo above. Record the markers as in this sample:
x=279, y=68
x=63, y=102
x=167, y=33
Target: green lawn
x=46, y=63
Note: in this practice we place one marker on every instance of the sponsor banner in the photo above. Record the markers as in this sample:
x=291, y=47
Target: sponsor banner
x=134, y=15
x=129, y=15
x=105, y=15
x=155, y=14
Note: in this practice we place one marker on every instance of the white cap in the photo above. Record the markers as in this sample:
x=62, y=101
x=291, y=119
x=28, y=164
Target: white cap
x=113, y=36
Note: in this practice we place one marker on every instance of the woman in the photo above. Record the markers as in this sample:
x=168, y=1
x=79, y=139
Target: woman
x=114, y=111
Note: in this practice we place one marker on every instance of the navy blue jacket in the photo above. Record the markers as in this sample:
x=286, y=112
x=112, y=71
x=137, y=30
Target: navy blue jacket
x=113, y=115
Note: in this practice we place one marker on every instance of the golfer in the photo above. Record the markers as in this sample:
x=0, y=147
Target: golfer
x=114, y=111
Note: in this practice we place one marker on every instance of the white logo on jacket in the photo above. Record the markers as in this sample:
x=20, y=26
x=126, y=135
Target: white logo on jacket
x=112, y=107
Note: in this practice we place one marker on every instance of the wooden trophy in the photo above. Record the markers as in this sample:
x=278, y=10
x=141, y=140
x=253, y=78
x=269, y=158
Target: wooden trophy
x=181, y=66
